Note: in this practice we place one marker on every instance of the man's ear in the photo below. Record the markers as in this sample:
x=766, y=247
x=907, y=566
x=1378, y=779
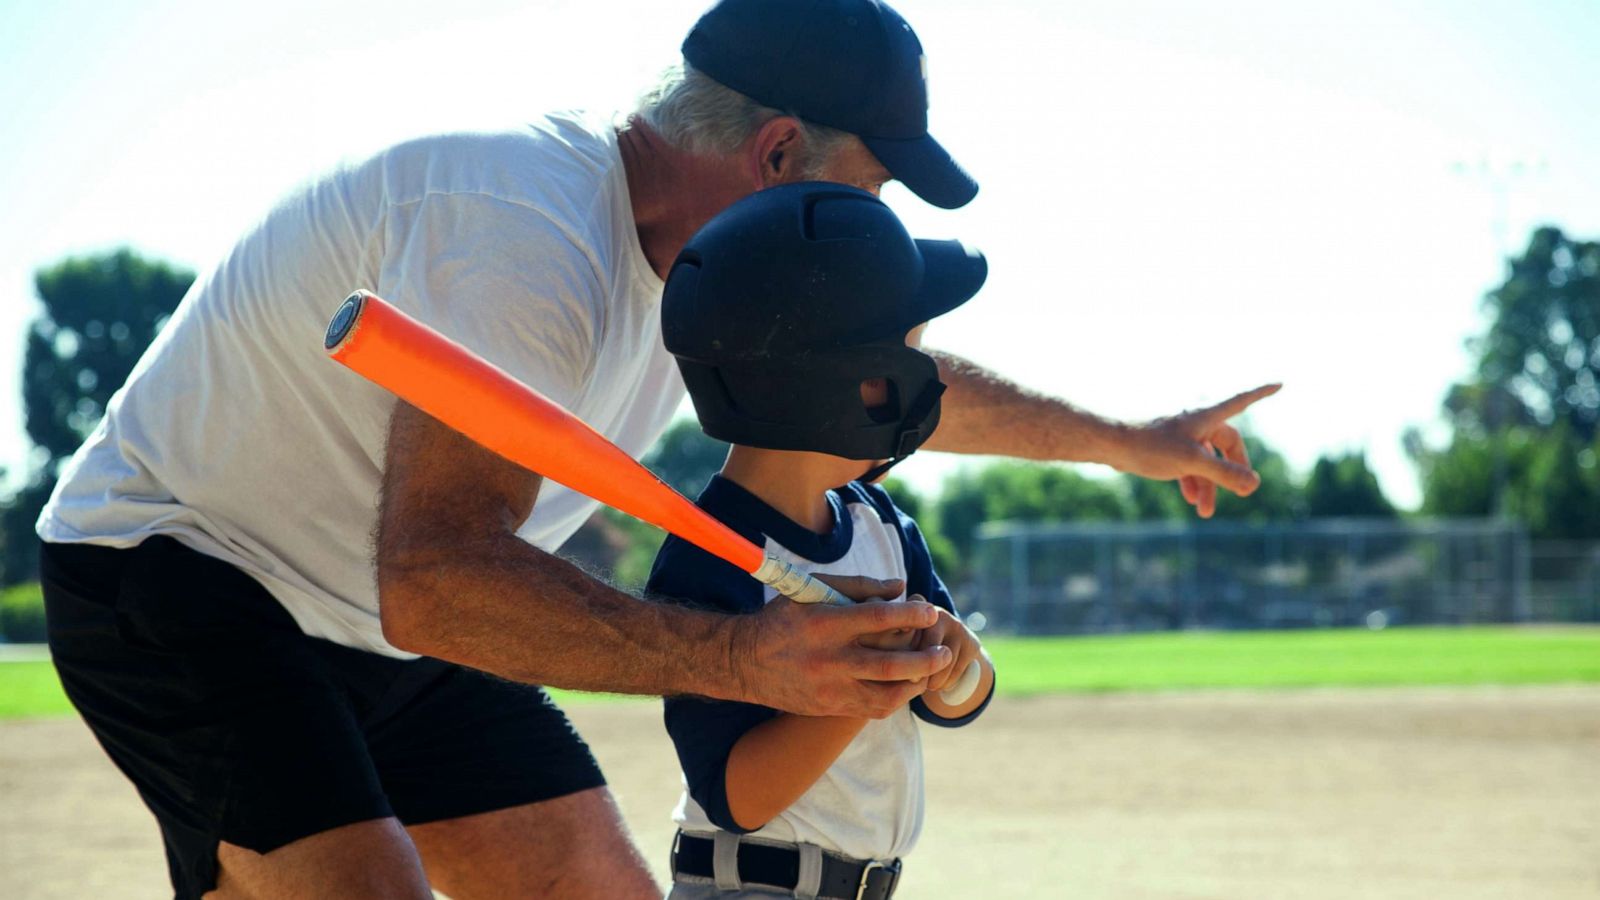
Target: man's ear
x=774, y=152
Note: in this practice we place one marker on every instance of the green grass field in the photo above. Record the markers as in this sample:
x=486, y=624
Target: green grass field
x=30, y=689
x=1290, y=659
x=1172, y=661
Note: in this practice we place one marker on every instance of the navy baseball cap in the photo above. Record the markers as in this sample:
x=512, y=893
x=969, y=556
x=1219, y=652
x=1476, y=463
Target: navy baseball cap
x=854, y=65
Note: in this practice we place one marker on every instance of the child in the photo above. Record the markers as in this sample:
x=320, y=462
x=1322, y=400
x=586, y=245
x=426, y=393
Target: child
x=795, y=317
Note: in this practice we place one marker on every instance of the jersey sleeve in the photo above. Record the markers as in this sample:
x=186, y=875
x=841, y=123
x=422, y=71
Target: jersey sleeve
x=921, y=579
x=704, y=730
x=503, y=280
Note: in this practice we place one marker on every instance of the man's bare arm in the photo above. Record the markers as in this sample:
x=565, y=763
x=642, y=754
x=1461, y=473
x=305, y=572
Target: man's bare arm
x=456, y=583
x=985, y=413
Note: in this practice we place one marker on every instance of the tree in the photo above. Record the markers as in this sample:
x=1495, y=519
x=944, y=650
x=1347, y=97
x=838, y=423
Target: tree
x=1542, y=348
x=1525, y=427
x=1036, y=492
x=19, y=554
x=1551, y=485
x=100, y=313
x=1024, y=492
x=926, y=515
x=1156, y=501
x=1459, y=480
x=1480, y=410
x=636, y=554
x=686, y=458
x=1569, y=508
x=1344, y=486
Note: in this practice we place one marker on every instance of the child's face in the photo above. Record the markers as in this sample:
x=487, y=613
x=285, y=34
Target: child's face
x=875, y=391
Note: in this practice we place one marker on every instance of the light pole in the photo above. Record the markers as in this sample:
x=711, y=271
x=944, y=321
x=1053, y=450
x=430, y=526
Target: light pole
x=1500, y=174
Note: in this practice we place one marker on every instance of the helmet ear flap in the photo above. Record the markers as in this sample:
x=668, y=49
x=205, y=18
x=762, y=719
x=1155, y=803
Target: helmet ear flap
x=713, y=402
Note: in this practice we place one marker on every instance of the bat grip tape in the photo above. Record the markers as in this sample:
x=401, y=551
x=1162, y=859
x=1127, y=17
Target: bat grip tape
x=795, y=584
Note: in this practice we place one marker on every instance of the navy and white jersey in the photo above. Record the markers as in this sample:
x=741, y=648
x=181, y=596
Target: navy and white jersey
x=869, y=803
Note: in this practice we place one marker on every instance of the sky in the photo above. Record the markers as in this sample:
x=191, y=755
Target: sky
x=1179, y=200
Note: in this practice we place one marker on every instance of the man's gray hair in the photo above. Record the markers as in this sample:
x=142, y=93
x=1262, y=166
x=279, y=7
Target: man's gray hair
x=697, y=114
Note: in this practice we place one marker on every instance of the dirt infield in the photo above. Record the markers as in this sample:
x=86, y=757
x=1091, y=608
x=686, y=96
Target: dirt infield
x=1414, y=793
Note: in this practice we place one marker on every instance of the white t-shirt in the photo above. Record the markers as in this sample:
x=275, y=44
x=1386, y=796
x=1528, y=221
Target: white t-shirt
x=868, y=804
x=237, y=435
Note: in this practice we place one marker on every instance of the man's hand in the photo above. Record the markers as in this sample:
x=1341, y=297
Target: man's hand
x=899, y=639
x=809, y=659
x=1199, y=449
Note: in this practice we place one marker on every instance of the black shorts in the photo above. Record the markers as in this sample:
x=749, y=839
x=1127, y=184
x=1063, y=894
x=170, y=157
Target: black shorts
x=235, y=726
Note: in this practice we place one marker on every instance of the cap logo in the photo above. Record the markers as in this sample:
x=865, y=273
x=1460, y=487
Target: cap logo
x=922, y=61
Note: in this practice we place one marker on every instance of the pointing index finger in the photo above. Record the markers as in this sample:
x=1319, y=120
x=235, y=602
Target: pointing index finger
x=1240, y=402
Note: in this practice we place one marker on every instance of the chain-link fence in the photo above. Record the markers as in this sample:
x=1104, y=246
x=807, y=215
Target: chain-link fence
x=1564, y=581
x=1108, y=577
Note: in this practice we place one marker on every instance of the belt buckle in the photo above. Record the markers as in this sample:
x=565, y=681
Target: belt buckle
x=892, y=868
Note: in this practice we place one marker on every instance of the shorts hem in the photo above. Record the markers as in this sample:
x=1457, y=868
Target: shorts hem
x=582, y=780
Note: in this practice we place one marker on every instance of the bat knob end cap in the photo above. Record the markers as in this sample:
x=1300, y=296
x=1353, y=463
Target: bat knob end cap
x=344, y=320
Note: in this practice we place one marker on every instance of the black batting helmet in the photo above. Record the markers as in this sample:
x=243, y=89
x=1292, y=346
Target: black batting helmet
x=783, y=304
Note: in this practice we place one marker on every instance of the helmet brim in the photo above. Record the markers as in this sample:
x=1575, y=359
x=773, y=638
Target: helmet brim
x=952, y=273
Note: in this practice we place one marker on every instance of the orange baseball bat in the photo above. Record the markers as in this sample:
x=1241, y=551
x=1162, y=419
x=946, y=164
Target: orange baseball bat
x=474, y=397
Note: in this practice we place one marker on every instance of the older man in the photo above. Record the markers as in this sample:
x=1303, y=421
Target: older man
x=273, y=592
